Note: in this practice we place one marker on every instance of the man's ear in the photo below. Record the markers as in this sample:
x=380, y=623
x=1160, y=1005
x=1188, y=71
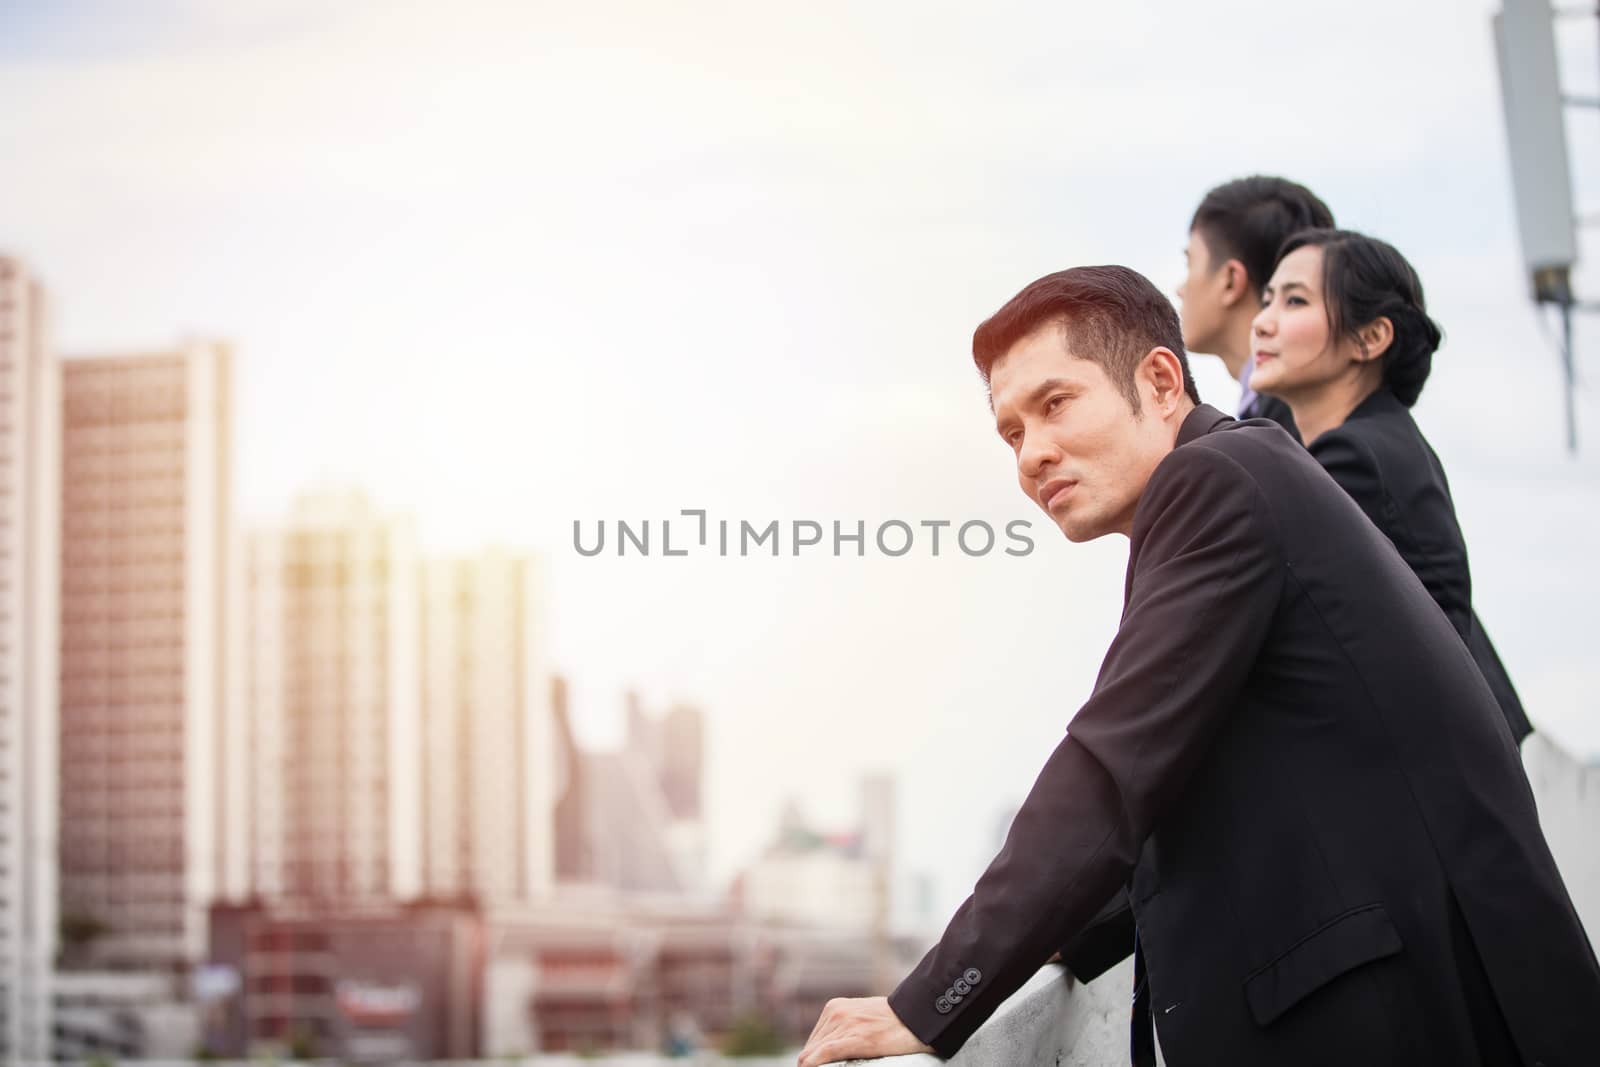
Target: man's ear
x=1236, y=284
x=1375, y=337
x=1161, y=375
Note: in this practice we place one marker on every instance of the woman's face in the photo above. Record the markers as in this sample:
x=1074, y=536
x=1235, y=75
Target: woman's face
x=1290, y=343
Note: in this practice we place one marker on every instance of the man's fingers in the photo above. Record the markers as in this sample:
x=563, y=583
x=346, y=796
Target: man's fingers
x=821, y=1033
x=862, y=1028
x=824, y=1023
x=827, y=1052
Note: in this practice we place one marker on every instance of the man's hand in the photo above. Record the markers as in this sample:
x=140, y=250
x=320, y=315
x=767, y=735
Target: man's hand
x=858, y=1029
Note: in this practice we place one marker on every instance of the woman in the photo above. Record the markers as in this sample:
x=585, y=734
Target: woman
x=1344, y=339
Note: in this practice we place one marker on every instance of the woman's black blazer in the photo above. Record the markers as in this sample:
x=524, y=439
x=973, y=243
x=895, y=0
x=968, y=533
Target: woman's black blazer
x=1381, y=459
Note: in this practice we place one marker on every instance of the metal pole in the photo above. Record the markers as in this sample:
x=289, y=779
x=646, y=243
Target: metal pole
x=1566, y=371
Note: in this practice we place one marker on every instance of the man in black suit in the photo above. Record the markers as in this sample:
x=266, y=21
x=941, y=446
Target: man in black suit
x=1233, y=244
x=1290, y=774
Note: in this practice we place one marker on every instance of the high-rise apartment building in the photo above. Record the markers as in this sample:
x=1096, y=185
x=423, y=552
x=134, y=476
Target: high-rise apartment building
x=331, y=691
x=30, y=481
x=489, y=775
x=146, y=545
x=404, y=745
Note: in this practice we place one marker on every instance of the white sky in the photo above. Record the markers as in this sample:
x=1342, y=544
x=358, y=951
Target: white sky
x=511, y=265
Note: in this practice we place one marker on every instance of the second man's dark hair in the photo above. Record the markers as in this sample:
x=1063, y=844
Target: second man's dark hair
x=1109, y=315
x=1249, y=218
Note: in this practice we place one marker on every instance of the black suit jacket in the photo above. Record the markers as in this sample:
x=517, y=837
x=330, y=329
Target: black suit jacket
x=1379, y=456
x=1298, y=774
x=1263, y=406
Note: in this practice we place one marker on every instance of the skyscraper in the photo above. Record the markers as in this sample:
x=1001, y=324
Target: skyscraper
x=682, y=759
x=489, y=777
x=641, y=804
x=30, y=484
x=145, y=558
x=332, y=690
x=403, y=741
x=574, y=853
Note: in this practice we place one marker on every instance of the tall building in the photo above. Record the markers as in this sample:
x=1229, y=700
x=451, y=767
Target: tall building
x=631, y=844
x=403, y=742
x=674, y=746
x=672, y=752
x=683, y=761
x=630, y=818
x=30, y=482
x=574, y=858
x=332, y=687
x=145, y=556
x=489, y=779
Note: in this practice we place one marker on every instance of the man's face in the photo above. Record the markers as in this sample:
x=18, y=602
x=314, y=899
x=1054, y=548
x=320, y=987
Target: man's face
x=1200, y=297
x=1082, y=454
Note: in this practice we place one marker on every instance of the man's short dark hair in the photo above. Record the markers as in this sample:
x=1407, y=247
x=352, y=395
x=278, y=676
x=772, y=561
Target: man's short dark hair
x=1248, y=219
x=1109, y=315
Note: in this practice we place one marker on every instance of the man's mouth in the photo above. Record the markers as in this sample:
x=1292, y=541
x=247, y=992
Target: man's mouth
x=1054, y=491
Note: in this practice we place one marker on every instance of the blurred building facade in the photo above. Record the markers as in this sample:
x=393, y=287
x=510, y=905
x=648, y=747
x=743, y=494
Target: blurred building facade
x=133, y=1015
x=332, y=692
x=489, y=776
x=594, y=970
x=674, y=747
x=404, y=742
x=146, y=544
x=377, y=983
x=30, y=533
x=585, y=970
x=633, y=814
x=828, y=880
x=574, y=859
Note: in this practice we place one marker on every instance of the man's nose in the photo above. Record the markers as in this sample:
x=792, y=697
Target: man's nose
x=1037, y=451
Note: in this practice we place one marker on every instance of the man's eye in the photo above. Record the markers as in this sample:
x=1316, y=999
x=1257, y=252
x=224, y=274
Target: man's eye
x=1053, y=403
x=1012, y=437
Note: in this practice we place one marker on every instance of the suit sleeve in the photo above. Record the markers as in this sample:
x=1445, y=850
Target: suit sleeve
x=1204, y=581
x=1104, y=943
x=1494, y=672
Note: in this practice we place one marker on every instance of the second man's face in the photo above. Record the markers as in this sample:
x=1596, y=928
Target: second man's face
x=1200, y=306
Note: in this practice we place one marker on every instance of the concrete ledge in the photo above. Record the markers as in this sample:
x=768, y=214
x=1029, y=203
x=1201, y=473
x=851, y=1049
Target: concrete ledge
x=1050, y=1020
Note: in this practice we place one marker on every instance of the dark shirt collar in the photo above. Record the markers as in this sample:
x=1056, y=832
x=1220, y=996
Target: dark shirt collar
x=1199, y=422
